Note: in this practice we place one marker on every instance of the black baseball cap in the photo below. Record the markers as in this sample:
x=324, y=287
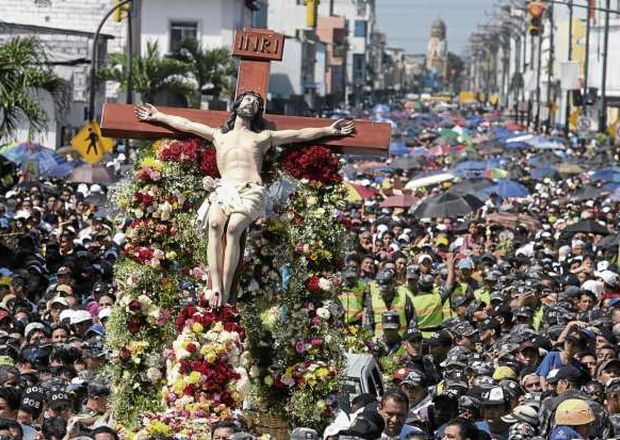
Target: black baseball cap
x=412, y=334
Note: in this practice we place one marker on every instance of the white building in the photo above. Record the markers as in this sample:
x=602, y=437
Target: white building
x=296, y=83
x=213, y=22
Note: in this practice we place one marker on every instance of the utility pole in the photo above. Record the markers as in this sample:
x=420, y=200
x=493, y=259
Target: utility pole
x=603, y=117
x=94, y=58
x=586, y=67
x=550, y=67
x=538, y=73
x=570, y=58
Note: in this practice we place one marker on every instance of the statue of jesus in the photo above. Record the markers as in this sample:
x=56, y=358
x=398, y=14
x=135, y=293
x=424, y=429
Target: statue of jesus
x=239, y=196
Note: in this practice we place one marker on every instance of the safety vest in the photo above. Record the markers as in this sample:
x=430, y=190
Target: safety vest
x=428, y=311
x=398, y=305
x=483, y=295
x=352, y=300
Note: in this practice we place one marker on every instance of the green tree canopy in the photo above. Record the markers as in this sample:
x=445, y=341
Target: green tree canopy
x=153, y=74
x=24, y=76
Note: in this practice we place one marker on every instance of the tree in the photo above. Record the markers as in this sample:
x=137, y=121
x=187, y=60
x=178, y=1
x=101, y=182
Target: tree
x=211, y=68
x=25, y=76
x=153, y=75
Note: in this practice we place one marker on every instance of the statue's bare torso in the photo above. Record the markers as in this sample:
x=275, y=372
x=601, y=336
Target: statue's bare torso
x=240, y=153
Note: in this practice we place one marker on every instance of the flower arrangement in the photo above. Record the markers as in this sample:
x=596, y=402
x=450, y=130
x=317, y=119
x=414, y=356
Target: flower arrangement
x=283, y=350
x=313, y=163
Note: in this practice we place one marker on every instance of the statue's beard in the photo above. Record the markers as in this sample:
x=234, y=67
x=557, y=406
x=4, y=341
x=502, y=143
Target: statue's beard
x=246, y=112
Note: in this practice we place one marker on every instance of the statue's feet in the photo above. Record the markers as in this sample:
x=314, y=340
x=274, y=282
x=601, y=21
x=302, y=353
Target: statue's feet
x=216, y=299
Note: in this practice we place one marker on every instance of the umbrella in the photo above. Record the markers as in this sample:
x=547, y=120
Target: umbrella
x=447, y=205
x=496, y=173
x=470, y=186
x=588, y=193
x=91, y=174
x=429, y=180
x=398, y=149
x=357, y=192
x=611, y=241
x=569, y=168
x=545, y=171
x=399, y=201
x=35, y=158
x=609, y=174
x=440, y=150
x=511, y=221
x=506, y=189
x=406, y=163
x=588, y=226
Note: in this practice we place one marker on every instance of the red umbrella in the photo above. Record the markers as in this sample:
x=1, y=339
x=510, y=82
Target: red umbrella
x=359, y=192
x=440, y=150
x=399, y=201
x=513, y=126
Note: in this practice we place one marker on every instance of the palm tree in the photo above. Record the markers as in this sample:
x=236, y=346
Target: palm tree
x=153, y=75
x=211, y=68
x=24, y=76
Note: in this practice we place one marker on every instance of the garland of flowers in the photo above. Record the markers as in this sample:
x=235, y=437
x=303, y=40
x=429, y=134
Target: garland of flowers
x=161, y=268
x=295, y=339
x=293, y=356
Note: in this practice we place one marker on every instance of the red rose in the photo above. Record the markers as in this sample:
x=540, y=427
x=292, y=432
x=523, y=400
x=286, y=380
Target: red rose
x=191, y=348
x=133, y=325
x=313, y=285
x=134, y=306
x=208, y=164
x=124, y=354
x=316, y=342
x=189, y=390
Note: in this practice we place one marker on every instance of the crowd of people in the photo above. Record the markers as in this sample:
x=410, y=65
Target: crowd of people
x=491, y=329
x=483, y=329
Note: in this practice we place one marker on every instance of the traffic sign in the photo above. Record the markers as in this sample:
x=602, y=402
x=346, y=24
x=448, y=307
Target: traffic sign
x=90, y=144
x=583, y=123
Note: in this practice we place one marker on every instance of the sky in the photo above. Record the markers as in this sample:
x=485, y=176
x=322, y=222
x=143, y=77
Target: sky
x=407, y=23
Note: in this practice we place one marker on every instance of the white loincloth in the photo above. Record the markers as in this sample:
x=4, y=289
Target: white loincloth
x=241, y=198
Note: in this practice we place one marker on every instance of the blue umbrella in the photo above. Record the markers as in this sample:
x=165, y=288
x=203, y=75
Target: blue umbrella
x=398, y=149
x=506, y=189
x=544, y=171
x=608, y=174
x=35, y=158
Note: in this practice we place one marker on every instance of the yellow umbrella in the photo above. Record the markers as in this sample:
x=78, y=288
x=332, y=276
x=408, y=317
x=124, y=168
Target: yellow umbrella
x=358, y=193
x=569, y=168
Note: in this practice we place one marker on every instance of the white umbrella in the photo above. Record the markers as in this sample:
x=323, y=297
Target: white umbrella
x=429, y=180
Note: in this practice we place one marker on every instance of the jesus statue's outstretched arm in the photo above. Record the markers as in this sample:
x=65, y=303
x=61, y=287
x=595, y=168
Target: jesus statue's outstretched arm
x=342, y=127
x=149, y=113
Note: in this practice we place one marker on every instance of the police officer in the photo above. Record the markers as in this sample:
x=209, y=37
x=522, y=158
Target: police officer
x=352, y=296
x=382, y=296
x=612, y=392
x=413, y=357
x=389, y=342
x=428, y=305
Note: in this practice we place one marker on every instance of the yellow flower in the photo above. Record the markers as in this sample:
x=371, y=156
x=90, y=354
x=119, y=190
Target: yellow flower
x=197, y=327
x=321, y=404
x=179, y=385
x=151, y=162
x=194, y=377
x=158, y=429
x=321, y=372
x=268, y=381
x=211, y=358
x=172, y=255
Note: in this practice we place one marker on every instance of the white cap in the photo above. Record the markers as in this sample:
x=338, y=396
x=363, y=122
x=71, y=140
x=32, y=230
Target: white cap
x=80, y=316
x=611, y=278
x=32, y=327
x=592, y=286
x=105, y=312
x=66, y=314
x=423, y=257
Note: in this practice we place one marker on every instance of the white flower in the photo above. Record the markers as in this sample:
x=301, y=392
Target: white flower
x=325, y=284
x=165, y=210
x=254, y=371
x=323, y=313
x=153, y=374
x=208, y=183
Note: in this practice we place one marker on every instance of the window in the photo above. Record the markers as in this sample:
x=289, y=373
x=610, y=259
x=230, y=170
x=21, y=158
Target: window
x=181, y=31
x=359, y=67
x=360, y=28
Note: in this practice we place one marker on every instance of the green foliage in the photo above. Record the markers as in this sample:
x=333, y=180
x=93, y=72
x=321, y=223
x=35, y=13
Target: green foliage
x=152, y=74
x=208, y=66
x=24, y=77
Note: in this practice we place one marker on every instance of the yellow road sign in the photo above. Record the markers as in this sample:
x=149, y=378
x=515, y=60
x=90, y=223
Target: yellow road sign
x=90, y=144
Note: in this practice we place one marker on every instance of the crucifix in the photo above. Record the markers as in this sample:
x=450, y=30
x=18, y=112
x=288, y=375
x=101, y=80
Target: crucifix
x=241, y=142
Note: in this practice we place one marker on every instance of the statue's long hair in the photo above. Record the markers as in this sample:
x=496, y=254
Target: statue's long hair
x=257, y=124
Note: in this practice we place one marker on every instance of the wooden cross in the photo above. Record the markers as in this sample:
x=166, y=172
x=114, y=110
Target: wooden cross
x=256, y=48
